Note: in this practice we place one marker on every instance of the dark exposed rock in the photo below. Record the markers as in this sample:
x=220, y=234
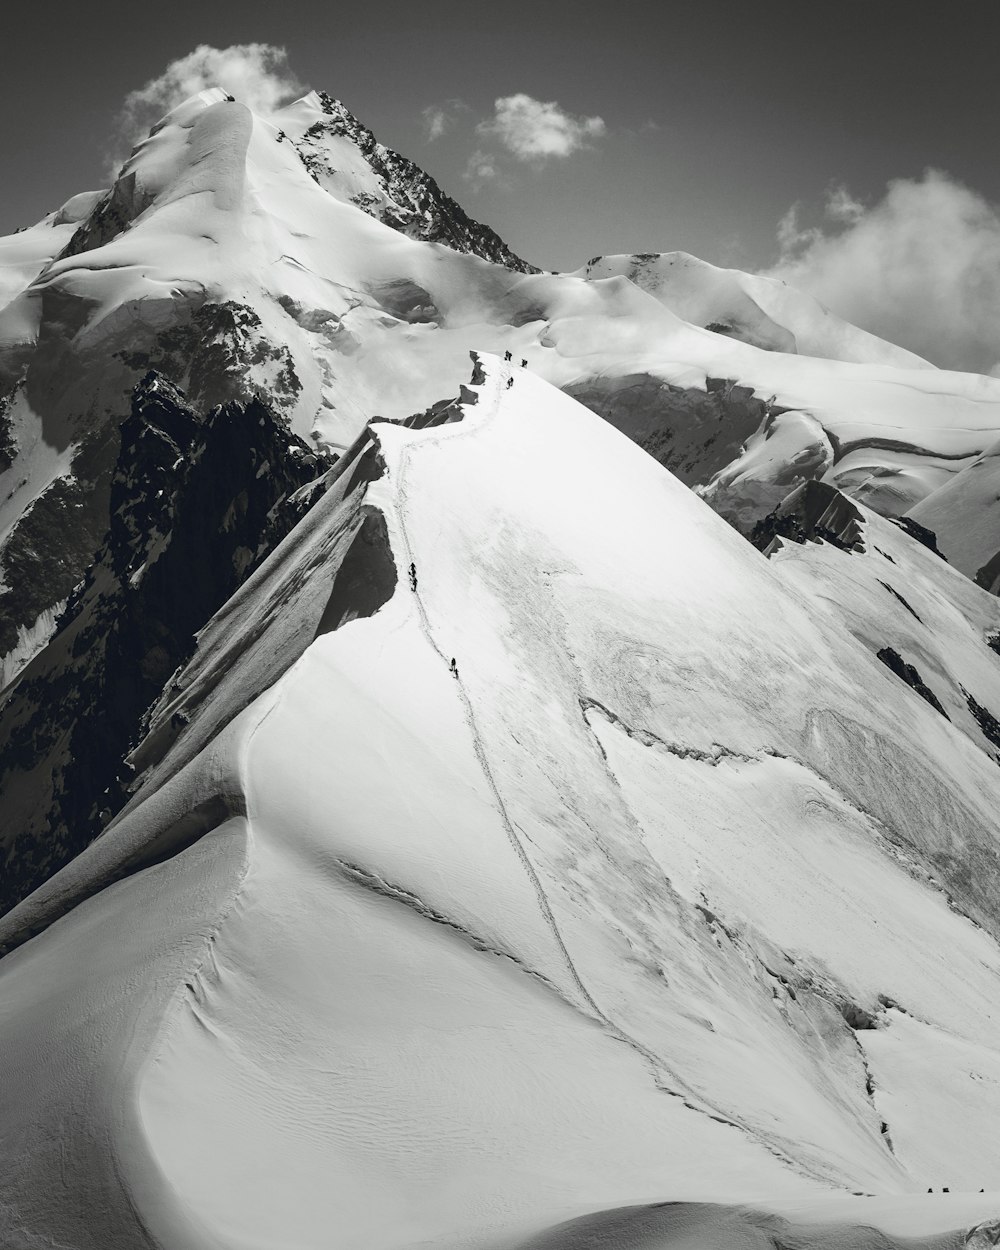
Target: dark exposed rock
x=989, y=575
x=691, y=432
x=414, y=204
x=906, y=672
x=987, y=722
x=211, y=352
x=920, y=532
x=109, y=218
x=54, y=541
x=856, y=1017
x=898, y=596
x=196, y=503
x=478, y=372
x=7, y=445
x=813, y=512
x=407, y=301
x=445, y=411
x=367, y=577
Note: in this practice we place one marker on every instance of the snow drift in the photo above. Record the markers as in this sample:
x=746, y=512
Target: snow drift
x=556, y=876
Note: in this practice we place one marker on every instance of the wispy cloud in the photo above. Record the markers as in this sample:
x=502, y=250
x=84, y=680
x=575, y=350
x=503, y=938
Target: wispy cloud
x=257, y=74
x=440, y=118
x=533, y=130
x=481, y=169
x=921, y=267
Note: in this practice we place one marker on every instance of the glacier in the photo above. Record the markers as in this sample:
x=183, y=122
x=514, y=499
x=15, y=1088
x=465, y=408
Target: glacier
x=539, y=832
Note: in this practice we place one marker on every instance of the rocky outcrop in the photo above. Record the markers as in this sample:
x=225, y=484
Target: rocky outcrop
x=50, y=547
x=813, y=512
x=196, y=503
x=908, y=673
x=412, y=202
x=692, y=432
x=219, y=354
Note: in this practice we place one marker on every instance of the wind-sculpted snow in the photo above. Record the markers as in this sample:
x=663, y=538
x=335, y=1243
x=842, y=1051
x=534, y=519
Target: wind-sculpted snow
x=217, y=258
x=345, y=158
x=963, y=515
x=517, y=842
x=707, y=1226
x=24, y=254
x=693, y=431
x=761, y=311
x=584, y=865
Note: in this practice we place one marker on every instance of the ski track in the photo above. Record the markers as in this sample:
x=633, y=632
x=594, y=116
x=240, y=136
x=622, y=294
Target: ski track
x=659, y=1067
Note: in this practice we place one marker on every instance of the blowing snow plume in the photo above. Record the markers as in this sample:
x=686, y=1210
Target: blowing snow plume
x=257, y=74
x=920, y=268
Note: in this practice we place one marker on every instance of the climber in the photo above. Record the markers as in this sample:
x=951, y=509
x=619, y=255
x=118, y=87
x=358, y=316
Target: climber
x=453, y=667
x=413, y=576
x=524, y=363
x=510, y=383
x=507, y=356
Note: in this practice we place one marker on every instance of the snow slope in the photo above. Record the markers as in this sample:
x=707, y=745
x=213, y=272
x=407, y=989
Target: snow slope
x=762, y=311
x=294, y=258
x=963, y=514
x=651, y=895
x=25, y=254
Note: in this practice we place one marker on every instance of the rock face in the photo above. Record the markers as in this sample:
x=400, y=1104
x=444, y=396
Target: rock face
x=984, y=1236
x=693, y=432
x=895, y=663
x=403, y=197
x=219, y=354
x=813, y=512
x=511, y=734
x=195, y=504
x=481, y=790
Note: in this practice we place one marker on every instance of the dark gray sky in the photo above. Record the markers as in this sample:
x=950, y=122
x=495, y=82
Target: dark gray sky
x=719, y=116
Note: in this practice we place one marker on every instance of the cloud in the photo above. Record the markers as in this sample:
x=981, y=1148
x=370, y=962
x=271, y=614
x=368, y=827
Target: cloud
x=257, y=74
x=842, y=206
x=480, y=169
x=440, y=118
x=921, y=267
x=535, y=131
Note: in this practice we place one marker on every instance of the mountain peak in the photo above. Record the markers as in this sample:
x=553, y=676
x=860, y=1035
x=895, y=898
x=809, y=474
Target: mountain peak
x=344, y=157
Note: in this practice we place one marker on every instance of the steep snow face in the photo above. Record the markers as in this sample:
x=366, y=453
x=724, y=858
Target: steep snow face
x=220, y=261
x=760, y=311
x=346, y=160
x=563, y=857
x=25, y=254
x=963, y=513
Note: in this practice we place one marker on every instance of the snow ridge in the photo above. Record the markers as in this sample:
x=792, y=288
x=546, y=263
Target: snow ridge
x=402, y=196
x=498, y=379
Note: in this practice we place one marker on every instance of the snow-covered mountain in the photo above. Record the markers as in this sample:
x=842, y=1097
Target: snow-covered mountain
x=963, y=514
x=427, y=821
x=232, y=255
x=347, y=160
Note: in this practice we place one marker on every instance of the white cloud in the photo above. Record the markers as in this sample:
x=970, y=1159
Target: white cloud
x=480, y=169
x=535, y=131
x=920, y=268
x=440, y=118
x=842, y=206
x=257, y=74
